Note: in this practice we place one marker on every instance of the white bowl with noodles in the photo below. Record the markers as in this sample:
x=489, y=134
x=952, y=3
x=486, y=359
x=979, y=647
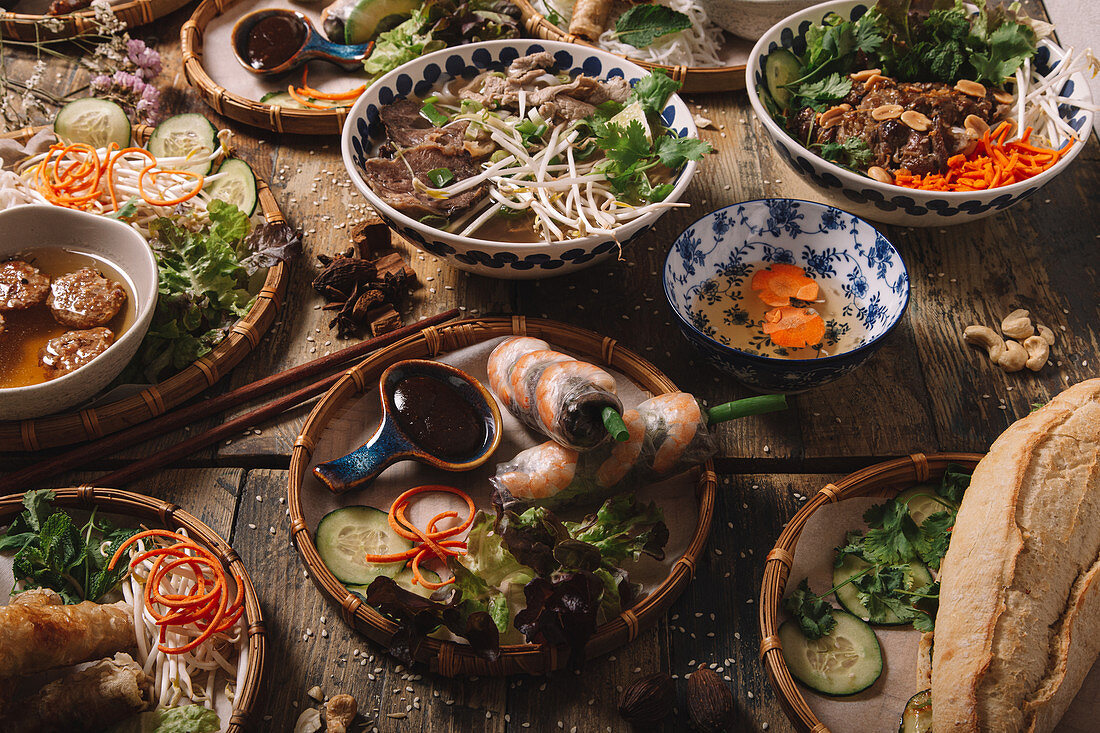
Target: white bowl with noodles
x=886, y=202
x=509, y=260
x=38, y=226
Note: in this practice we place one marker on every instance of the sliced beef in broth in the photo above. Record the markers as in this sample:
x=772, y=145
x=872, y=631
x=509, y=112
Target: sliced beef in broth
x=565, y=109
x=493, y=92
x=526, y=69
x=406, y=127
x=392, y=179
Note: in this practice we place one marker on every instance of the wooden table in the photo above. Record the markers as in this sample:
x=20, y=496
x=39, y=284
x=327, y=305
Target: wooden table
x=924, y=391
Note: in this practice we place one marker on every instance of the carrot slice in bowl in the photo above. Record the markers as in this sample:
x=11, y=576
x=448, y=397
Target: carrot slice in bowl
x=781, y=282
x=794, y=328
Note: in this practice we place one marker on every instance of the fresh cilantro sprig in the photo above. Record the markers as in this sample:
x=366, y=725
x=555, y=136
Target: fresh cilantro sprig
x=853, y=153
x=53, y=552
x=813, y=615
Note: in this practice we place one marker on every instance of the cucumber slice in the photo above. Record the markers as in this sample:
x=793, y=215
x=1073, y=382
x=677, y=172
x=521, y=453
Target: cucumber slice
x=846, y=661
x=368, y=18
x=921, y=502
x=917, y=717
x=345, y=536
x=95, y=122
x=282, y=99
x=186, y=135
x=404, y=579
x=236, y=184
x=781, y=68
x=849, y=596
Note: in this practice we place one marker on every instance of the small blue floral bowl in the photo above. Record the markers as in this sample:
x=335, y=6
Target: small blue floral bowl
x=510, y=260
x=847, y=257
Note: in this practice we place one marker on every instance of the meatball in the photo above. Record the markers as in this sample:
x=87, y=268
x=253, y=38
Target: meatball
x=85, y=298
x=21, y=285
x=72, y=350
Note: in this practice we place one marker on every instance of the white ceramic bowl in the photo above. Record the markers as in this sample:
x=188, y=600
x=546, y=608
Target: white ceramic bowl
x=511, y=260
x=751, y=18
x=40, y=226
x=887, y=202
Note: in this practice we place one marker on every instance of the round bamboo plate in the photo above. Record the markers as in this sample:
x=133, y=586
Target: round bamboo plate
x=26, y=27
x=449, y=658
x=90, y=423
x=695, y=79
x=170, y=516
x=227, y=104
x=882, y=479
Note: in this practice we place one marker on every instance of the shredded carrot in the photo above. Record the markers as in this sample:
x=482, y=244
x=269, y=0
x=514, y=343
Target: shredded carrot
x=308, y=91
x=794, y=327
x=420, y=579
x=994, y=162
x=781, y=282
x=300, y=99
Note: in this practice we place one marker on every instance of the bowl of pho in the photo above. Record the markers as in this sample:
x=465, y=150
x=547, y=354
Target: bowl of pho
x=521, y=159
x=921, y=117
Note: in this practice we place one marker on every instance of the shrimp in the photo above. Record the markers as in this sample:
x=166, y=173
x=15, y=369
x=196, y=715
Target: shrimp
x=550, y=386
x=623, y=455
x=503, y=360
x=539, y=472
x=680, y=414
x=523, y=391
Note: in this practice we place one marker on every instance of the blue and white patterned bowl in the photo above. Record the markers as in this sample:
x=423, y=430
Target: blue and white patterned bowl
x=511, y=260
x=887, y=202
x=830, y=244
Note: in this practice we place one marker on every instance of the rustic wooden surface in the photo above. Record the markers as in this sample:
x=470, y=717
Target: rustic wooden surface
x=924, y=391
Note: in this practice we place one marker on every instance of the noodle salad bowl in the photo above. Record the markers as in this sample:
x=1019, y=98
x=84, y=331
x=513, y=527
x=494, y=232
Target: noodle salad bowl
x=887, y=202
x=364, y=131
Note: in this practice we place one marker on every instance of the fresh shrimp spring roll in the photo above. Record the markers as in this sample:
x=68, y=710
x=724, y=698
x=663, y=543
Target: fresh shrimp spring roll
x=553, y=393
x=38, y=636
x=668, y=435
x=589, y=18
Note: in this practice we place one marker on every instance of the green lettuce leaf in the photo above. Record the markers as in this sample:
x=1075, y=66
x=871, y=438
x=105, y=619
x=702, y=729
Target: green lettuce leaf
x=623, y=529
x=186, y=719
x=490, y=577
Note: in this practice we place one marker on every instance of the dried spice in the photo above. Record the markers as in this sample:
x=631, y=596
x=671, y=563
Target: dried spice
x=709, y=701
x=648, y=701
x=364, y=283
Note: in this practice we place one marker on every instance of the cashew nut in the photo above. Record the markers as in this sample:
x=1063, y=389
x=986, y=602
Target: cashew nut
x=340, y=711
x=1046, y=334
x=1038, y=351
x=1017, y=325
x=987, y=338
x=1014, y=357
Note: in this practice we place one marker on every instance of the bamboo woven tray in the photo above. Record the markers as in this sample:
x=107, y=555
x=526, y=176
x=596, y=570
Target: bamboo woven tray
x=236, y=107
x=90, y=423
x=695, y=79
x=449, y=658
x=27, y=27
x=882, y=479
x=152, y=510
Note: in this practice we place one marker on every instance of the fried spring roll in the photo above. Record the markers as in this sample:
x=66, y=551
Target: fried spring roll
x=589, y=18
x=36, y=637
x=98, y=696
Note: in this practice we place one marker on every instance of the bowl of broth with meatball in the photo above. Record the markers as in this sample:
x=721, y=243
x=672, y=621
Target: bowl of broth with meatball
x=77, y=294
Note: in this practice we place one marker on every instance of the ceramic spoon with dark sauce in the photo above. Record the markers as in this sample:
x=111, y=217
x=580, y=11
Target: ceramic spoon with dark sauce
x=432, y=413
x=274, y=41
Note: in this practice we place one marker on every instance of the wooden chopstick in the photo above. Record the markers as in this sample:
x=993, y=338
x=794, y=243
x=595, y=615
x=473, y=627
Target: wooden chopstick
x=27, y=478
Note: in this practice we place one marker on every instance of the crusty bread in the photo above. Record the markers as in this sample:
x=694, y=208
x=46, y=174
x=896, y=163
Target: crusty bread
x=1018, y=625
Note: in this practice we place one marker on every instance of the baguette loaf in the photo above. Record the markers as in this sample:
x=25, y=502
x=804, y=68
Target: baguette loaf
x=1018, y=625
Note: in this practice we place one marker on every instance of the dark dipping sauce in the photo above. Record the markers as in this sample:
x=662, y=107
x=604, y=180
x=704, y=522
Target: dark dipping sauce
x=438, y=418
x=273, y=40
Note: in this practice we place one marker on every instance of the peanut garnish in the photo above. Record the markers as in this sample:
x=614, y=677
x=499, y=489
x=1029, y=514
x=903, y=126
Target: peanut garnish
x=970, y=88
x=1002, y=97
x=880, y=174
x=915, y=120
x=887, y=112
x=863, y=75
x=975, y=126
x=872, y=80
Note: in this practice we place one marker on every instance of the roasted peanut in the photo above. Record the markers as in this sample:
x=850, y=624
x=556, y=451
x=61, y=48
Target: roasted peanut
x=915, y=120
x=873, y=80
x=970, y=88
x=1002, y=97
x=1017, y=325
x=1014, y=357
x=880, y=174
x=1046, y=334
x=987, y=338
x=975, y=126
x=1038, y=351
x=863, y=75
x=833, y=115
x=887, y=112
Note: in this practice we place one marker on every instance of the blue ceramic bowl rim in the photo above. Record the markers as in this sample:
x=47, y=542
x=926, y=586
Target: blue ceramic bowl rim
x=586, y=243
x=791, y=23
x=771, y=360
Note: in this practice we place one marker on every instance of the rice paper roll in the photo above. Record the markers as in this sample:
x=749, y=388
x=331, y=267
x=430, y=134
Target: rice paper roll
x=553, y=393
x=35, y=637
x=91, y=699
x=676, y=435
x=589, y=18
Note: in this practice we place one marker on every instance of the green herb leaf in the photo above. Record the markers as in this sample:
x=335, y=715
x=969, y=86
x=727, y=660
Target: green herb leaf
x=892, y=535
x=653, y=91
x=823, y=93
x=935, y=534
x=440, y=177
x=641, y=25
x=813, y=615
x=675, y=151
x=852, y=153
x=955, y=482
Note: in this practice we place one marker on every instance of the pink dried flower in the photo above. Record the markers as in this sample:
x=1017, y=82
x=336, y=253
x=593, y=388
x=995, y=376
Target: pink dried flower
x=145, y=59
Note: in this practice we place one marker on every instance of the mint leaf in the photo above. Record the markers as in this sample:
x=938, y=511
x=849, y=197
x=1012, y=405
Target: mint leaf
x=641, y=25
x=813, y=615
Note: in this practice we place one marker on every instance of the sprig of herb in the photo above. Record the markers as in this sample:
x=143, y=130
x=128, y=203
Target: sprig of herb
x=853, y=153
x=641, y=25
x=813, y=615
